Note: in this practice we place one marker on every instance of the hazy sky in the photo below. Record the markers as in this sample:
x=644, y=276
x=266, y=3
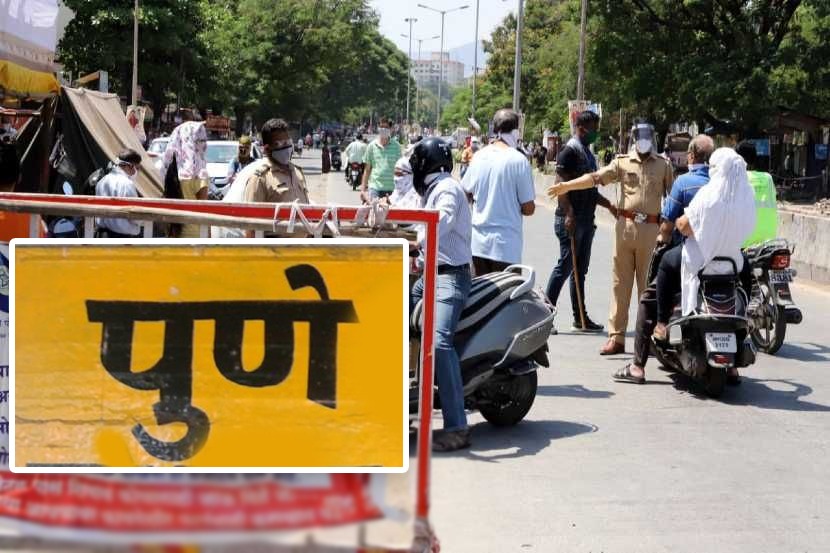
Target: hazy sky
x=459, y=27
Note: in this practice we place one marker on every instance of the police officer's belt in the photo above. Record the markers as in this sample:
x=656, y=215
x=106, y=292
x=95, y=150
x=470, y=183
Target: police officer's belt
x=638, y=217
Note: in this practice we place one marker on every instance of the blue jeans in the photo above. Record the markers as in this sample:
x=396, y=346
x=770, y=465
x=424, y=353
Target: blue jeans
x=451, y=291
x=584, y=240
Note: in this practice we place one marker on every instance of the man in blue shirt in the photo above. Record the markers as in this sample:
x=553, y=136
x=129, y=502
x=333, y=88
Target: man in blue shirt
x=682, y=192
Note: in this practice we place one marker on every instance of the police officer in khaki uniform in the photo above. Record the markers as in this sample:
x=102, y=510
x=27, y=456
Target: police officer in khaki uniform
x=645, y=178
x=278, y=180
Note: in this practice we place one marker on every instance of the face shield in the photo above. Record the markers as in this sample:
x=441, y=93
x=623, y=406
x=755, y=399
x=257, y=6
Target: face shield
x=643, y=138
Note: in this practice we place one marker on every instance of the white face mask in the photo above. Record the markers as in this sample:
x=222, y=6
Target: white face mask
x=511, y=138
x=644, y=145
x=404, y=182
x=384, y=133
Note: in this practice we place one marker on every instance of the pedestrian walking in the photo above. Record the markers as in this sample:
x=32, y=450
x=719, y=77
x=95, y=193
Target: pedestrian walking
x=380, y=159
x=500, y=183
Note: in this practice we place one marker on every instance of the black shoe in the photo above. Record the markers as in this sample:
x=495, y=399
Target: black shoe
x=450, y=440
x=590, y=326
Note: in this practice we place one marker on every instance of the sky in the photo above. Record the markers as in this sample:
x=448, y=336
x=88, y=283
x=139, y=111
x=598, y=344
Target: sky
x=459, y=26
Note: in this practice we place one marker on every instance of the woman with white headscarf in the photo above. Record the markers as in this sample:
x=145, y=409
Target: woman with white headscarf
x=718, y=220
x=404, y=196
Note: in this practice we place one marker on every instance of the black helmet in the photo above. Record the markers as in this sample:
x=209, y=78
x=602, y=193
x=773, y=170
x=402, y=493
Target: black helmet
x=431, y=155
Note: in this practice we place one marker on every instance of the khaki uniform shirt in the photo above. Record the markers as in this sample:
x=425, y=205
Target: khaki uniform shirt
x=643, y=183
x=272, y=184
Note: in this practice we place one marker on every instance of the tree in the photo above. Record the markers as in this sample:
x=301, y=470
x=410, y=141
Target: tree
x=712, y=60
x=170, y=56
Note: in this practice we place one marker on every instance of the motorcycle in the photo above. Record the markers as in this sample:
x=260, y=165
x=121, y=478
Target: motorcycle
x=501, y=340
x=771, y=306
x=714, y=338
x=336, y=161
x=64, y=226
x=355, y=174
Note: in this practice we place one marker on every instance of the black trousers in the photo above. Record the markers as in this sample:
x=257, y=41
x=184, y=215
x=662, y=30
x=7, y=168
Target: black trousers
x=668, y=281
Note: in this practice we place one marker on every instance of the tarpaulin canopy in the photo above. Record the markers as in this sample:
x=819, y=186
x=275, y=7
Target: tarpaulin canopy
x=95, y=123
x=16, y=80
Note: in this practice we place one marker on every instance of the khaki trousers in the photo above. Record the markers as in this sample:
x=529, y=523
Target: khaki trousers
x=633, y=247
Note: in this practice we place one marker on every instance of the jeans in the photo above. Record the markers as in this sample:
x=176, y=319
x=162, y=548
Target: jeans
x=452, y=289
x=584, y=240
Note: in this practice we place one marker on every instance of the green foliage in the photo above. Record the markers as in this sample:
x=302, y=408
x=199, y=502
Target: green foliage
x=714, y=60
x=297, y=59
x=170, y=53
x=670, y=61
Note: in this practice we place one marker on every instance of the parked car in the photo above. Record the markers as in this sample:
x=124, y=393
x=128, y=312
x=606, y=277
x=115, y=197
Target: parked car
x=156, y=151
x=218, y=156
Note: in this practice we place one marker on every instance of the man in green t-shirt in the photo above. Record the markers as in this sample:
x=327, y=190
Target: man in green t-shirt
x=766, y=205
x=381, y=156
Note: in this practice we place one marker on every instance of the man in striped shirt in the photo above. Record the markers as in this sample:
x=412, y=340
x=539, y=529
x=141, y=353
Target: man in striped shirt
x=381, y=156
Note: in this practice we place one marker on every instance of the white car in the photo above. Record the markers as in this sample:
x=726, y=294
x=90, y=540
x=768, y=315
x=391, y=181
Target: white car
x=156, y=151
x=218, y=156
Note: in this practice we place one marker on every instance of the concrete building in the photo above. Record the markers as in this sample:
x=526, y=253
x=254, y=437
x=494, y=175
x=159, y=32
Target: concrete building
x=428, y=71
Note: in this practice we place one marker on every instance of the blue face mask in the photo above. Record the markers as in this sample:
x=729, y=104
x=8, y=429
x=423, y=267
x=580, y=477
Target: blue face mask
x=283, y=155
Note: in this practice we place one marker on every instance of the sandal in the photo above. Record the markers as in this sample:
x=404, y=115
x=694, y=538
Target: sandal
x=451, y=440
x=624, y=375
x=660, y=336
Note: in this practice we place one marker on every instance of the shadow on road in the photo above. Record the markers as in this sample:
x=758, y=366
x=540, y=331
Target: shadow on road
x=525, y=439
x=804, y=352
x=758, y=393
x=572, y=390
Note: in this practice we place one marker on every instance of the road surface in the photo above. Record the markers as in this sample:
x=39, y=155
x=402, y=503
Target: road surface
x=600, y=466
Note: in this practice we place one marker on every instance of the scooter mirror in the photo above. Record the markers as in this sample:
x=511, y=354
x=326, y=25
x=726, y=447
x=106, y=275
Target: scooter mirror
x=67, y=189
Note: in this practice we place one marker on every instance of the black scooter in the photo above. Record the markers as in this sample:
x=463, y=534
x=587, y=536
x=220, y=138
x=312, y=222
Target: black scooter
x=705, y=344
x=771, y=306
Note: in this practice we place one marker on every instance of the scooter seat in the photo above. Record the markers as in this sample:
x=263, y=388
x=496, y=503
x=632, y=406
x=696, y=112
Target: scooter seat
x=487, y=294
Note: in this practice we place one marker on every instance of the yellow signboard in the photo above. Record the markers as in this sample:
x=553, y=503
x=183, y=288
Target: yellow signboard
x=272, y=355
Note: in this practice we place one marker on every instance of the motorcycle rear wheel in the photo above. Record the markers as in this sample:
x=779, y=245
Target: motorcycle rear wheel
x=511, y=400
x=714, y=382
x=769, y=340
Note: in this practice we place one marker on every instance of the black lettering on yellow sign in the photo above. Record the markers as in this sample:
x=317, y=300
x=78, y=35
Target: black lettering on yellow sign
x=172, y=376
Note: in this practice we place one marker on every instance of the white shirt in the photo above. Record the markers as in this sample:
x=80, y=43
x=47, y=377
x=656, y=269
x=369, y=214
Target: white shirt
x=455, y=221
x=500, y=180
x=119, y=185
x=356, y=152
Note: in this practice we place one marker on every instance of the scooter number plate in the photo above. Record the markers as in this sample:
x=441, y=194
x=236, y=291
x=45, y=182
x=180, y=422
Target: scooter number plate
x=780, y=277
x=717, y=342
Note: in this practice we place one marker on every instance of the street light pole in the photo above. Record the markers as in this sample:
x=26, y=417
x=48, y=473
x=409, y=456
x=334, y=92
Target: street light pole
x=409, y=20
x=420, y=42
x=517, y=70
x=580, y=83
x=475, y=65
x=441, y=55
x=135, y=55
